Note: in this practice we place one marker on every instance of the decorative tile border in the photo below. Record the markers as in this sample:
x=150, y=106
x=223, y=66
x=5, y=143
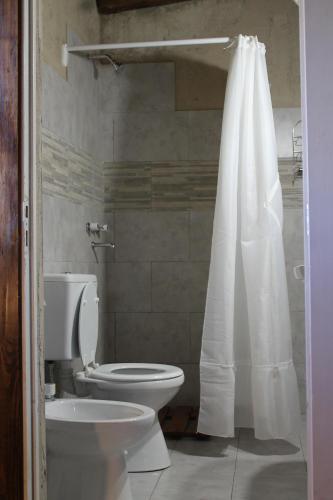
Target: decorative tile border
x=178, y=185
x=127, y=185
x=70, y=173
x=75, y=175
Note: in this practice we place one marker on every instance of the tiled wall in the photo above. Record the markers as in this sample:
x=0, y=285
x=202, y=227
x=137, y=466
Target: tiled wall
x=157, y=282
x=159, y=181
x=160, y=190
x=73, y=185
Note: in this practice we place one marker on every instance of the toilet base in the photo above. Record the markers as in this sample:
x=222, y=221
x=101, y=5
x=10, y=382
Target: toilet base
x=87, y=478
x=150, y=454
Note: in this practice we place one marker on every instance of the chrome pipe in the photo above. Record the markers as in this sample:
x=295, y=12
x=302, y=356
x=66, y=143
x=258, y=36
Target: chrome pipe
x=94, y=244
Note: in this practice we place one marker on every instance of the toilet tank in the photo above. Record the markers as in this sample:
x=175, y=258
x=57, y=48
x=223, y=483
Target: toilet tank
x=62, y=297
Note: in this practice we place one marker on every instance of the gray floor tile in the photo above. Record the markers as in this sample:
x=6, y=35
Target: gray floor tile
x=213, y=450
x=267, y=450
x=263, y=467
x=194, y=481
x=228, y=469
x=201, y=470
x=143, y=484
x=279, y=481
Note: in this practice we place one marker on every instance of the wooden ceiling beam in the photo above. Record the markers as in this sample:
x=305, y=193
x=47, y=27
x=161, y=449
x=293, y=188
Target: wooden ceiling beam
x=115, y=6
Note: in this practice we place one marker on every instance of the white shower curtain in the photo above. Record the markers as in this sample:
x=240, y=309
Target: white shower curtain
x=247, y=374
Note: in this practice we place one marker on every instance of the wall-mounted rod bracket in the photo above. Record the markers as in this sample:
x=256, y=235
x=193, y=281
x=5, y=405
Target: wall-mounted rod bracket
x=64, y=55
x=105, y=57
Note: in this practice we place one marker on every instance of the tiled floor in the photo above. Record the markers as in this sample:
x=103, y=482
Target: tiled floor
x=228, y=469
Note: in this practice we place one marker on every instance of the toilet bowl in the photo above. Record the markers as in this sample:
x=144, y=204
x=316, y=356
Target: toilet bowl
x=149, y=384
x=86, y=443
x=71, y=331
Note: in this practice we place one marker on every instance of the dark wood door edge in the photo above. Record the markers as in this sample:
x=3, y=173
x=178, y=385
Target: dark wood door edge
x=11, y=393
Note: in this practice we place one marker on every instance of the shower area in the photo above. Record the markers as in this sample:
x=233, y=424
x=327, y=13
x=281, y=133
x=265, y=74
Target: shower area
x=132, y=142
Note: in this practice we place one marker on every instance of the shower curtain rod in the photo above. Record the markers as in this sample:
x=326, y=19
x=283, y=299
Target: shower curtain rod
x=86, y=50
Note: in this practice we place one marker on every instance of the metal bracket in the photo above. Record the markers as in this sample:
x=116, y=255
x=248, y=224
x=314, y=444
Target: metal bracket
x=64, y=55
x=25, y=224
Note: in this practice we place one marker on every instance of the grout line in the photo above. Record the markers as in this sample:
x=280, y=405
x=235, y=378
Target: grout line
x=162, y=472
x=301, y=443
x=151, y=288
x=113, y=138
x=302, y=449
x=236, y=459
x=114, y=337
x=155, y=487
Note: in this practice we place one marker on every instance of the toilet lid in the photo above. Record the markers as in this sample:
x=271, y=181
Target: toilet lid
x=135, y=372
x=88, y=324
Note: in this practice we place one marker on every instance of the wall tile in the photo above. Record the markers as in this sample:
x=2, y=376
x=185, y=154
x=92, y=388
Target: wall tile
x=152, y=338
x=151, y=136
x=189, y=393
x=106, y=133
x=295, y=288
x=69, y=172
x=293, y=235
x=301, y=377
x=201, y=231
x=64, y=227
x=70, y=108
x=171, y=185
x=138, y=87
x=298, y=336
x=57, y=103
x=127, y=185
x=160, y=160
x=292, y=186
x=56, y=267
x=203, y=184
x=285, y=119
x=204, y=135
x=179, y=286
x=196, y=328
x=106, y=347
x=110, y=236
x=184, y=184
x=167, y=186
x=129, y=287
x=151, y=236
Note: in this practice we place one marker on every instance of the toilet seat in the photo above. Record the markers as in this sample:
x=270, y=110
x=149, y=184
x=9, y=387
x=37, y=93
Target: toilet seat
x=88, y=324
x=135, y=372
x=129, y=373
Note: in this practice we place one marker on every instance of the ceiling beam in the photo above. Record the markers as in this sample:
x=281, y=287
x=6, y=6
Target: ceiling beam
x=114, y=6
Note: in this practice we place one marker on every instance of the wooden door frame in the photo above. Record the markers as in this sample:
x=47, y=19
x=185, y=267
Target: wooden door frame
x=21, y=427
x=20, y=456
x=316, y=37
x=11, y=331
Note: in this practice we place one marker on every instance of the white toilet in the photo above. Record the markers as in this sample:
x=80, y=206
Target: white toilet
x=86, y=442
x=71, y=318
